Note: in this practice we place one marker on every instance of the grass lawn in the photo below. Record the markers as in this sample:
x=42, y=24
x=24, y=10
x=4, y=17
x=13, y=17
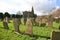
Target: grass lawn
x=41, y=33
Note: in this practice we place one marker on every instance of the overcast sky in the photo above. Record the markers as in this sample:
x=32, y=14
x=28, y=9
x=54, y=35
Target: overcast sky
x=12, y=6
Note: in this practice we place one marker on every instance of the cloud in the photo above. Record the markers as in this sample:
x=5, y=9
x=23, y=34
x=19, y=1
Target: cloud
x=13, y=6
x=44, y=5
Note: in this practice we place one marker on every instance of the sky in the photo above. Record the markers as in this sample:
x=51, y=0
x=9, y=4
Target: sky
x=40, y=6
x=58, y=2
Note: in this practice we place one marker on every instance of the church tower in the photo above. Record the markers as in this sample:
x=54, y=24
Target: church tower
x=32, y=10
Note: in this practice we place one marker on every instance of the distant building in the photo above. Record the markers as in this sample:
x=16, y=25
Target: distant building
x=28, y=13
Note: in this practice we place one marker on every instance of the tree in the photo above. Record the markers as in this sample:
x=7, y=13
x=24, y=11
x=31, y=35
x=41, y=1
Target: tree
x=1, y=16
x=7, y=16
x=13, y=16
x=19, y=13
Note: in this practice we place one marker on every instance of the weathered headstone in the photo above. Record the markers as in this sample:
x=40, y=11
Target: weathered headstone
x=43, y=23
x=25, y=19
x=5, y=24
x=16, y=25
x=50, y=21
x=29, y=27
x=56, y=35
x=50, y=24
x=7, y=19
x=38, y=21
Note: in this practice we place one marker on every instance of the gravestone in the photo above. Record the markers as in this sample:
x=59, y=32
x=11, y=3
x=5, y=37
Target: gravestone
x=29, y=27
x=25, y=19
x=7, y=19
x=37, y=20
x=16, y=25
x=56, y=35
x=33, y=21
x=5, y=24
x=50, y=21
x=43, y=23
x=50, y=24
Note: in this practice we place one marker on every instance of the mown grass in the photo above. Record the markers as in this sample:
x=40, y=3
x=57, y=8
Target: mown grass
x=41, y=33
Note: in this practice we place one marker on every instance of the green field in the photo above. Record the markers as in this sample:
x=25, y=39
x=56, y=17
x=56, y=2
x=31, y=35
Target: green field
x=41, y=33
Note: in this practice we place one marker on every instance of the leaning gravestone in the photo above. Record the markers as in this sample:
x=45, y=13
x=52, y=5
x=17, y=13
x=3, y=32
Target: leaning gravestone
x=56, y=35
x=5, y=24
x=29, y=27
x=16, y=25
